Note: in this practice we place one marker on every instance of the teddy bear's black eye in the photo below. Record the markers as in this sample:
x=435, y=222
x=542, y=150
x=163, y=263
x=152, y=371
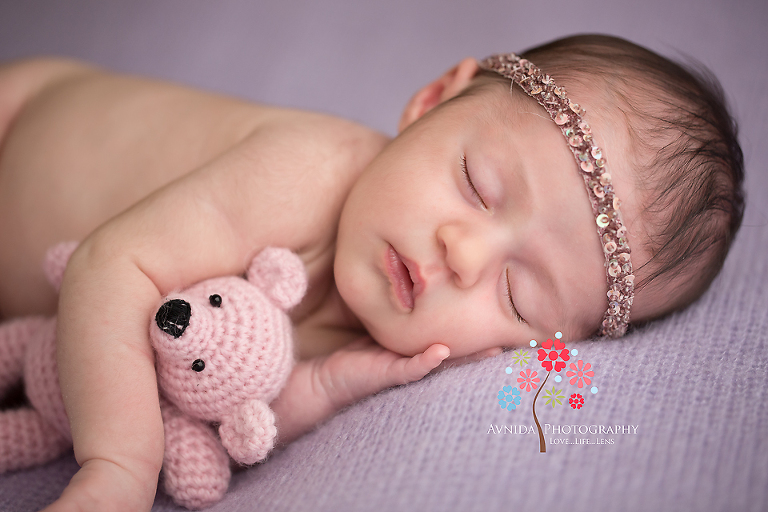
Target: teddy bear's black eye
x=198, y=365
x=215, y=300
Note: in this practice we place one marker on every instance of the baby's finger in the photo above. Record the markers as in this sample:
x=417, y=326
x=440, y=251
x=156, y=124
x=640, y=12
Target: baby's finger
x=416, y=367
x=478, y=356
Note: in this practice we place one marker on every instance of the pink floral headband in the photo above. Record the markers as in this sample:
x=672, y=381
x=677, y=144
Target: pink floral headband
x=605, y=205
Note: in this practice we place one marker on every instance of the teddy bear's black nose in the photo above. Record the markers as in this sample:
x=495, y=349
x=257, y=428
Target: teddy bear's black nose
x=173, y=317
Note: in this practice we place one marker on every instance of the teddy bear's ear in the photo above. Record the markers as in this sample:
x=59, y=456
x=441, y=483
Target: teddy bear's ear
x=280, y=274
x=56, y=262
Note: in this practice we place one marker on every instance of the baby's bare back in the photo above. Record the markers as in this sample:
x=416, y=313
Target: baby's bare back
x=79, y=146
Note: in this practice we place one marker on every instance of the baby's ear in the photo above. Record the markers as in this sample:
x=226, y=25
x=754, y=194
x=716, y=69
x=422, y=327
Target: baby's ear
x=280, y=274
x=444, y=88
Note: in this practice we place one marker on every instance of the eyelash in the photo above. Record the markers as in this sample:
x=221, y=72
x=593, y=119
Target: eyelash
x=477, y=196
x=468, y=179
x=512, y=302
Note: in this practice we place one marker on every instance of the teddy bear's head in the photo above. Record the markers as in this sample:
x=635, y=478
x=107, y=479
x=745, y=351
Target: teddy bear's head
x=229, y=339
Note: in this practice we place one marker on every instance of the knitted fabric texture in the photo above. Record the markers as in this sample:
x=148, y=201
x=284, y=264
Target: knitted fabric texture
x=220, y=361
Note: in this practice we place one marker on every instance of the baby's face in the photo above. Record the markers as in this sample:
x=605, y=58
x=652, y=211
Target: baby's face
x=426, y=256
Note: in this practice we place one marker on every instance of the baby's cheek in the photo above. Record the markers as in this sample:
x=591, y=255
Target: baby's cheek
x=405, y=343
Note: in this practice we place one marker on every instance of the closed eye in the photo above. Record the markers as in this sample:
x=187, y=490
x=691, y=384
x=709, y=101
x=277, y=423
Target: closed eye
x=512, y=302
x=471, y=185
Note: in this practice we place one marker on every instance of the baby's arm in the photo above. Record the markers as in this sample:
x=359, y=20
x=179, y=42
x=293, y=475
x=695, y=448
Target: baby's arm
x=106, y=363
x=208, y=223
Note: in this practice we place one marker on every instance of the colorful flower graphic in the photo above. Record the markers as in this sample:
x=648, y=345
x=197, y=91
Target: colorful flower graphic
x=520, y=357
x=509, y=398
x=528, y=380
x=554, y=358
x=581, y=374
x=576, y=401
x=550, y=352
x=553, y=397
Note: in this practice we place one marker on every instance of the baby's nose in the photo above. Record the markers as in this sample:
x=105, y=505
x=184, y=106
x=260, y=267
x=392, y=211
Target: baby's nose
x=466, y=254
x=173, y=317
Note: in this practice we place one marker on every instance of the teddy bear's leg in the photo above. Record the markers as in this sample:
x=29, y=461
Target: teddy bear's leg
x=26, y=440
x=195, y=467
x=14, y=335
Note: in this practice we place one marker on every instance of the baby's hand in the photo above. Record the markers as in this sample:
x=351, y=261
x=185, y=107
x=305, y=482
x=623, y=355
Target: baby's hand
x=364, y=367
x=320, y=387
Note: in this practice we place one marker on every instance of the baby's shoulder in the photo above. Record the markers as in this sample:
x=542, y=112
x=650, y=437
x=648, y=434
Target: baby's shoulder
x=321, y=138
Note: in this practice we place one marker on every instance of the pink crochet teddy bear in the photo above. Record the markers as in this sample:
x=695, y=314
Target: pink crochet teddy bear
x=224, y=350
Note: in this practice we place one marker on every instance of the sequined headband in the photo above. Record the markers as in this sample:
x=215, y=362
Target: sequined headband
x=591, y=163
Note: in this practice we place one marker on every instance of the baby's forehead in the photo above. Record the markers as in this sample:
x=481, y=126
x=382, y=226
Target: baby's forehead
x=601, y=101
x=503, y=118
x=498, y=103
x=509, y=109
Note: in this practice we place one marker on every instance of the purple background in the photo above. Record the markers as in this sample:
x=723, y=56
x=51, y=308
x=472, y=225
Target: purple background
x=695, y=384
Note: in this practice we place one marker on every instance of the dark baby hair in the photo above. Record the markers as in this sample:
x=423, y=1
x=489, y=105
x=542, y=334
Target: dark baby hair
x=686, y=158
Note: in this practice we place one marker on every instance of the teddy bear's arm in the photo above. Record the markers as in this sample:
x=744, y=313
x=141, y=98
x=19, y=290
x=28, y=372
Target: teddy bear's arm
x=14, y=336
x=249, y=432
x=195, y=466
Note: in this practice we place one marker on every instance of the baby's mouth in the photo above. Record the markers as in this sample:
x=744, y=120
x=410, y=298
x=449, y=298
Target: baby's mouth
x=404, y=275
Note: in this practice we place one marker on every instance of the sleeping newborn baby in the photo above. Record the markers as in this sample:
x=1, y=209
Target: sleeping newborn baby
x=588, y=184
